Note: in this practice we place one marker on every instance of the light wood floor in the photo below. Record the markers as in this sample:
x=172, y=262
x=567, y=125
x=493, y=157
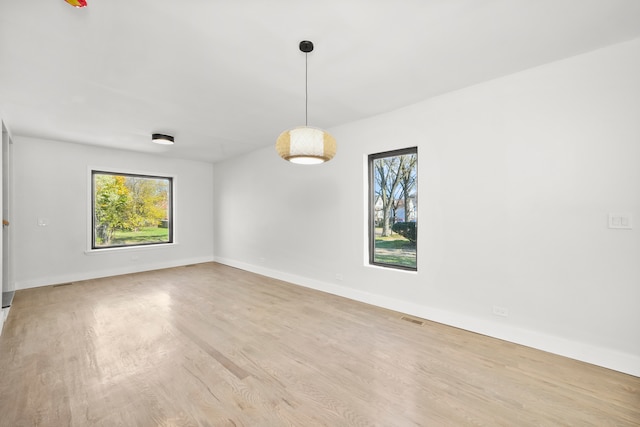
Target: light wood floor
x=209, y=345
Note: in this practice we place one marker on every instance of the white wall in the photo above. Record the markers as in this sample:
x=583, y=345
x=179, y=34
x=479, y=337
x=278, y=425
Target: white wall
x=51, y=181
x=516, y=180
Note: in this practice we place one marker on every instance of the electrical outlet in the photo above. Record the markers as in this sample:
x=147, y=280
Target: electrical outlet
x=262, y=260
x=500, y=311
x=621, y=221
x=339, y=276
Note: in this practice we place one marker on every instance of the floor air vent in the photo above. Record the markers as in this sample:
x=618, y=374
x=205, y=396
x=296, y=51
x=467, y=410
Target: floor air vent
x=62, y=284
x=412, y=320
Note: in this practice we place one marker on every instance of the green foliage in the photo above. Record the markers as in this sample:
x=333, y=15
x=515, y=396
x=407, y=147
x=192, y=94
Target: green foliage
x=406, y=229
x=111, y=200
x=148, y=202
x=399, y=259
x=143, y=235
x=395, y=251
x=127, y=203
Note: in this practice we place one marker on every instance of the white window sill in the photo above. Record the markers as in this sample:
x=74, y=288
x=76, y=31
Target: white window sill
x=130, y=248
x=400, y=270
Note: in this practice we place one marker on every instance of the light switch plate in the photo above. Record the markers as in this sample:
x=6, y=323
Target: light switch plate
x=620, y=221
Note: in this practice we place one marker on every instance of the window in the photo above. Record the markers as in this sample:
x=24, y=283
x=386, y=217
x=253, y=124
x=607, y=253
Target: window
x=393, y=208
x=130, y=210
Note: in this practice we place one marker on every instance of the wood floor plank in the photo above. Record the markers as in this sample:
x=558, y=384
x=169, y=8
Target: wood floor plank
x=211, y=345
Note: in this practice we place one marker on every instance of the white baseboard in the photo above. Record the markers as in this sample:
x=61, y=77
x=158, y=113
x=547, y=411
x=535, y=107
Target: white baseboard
x=605, y=357
x=135, y=268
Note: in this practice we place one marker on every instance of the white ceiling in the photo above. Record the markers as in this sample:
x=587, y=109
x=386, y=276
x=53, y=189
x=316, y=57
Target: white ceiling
x=226, y=77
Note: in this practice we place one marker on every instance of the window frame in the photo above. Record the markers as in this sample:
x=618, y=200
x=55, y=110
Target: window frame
x=371, y=208
x=92, y=221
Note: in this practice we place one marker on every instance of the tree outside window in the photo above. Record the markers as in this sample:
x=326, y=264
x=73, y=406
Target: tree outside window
x=393, y=208
x=131, y=210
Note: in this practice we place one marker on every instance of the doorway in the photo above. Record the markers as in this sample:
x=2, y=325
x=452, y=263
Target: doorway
x=8, y=289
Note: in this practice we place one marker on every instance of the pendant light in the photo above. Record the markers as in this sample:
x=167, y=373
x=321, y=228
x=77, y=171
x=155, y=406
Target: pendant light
x=305, y=144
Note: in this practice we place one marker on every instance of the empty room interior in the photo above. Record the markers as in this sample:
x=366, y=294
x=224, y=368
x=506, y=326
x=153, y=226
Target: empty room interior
x=337, y=213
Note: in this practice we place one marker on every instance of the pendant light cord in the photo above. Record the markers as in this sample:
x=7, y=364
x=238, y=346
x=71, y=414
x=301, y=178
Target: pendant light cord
x=306, y=89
